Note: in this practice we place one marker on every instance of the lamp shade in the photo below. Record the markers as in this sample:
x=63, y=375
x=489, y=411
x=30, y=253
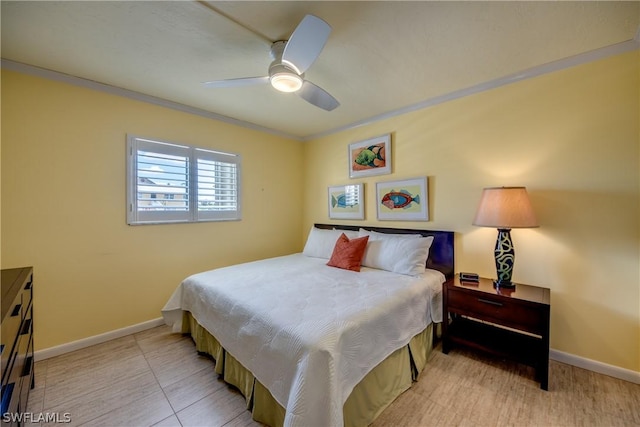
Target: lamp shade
x=505, y=208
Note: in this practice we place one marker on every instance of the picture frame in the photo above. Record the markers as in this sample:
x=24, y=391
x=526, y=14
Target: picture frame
x=370, y=157
x=346, y=201
x=404, y=200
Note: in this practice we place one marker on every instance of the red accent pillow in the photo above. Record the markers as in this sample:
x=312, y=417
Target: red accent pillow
x=348, y=254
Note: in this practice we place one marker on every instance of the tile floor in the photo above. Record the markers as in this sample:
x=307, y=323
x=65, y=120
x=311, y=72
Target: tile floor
x=156, y=378
x=149, y=378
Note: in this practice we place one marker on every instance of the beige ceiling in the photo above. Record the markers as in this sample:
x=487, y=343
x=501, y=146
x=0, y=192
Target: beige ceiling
x=381, y=56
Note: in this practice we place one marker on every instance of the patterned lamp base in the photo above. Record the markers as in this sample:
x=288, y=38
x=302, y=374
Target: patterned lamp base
x=505, y=257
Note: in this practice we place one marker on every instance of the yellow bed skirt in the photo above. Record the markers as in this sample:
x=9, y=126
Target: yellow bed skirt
x=368, y=399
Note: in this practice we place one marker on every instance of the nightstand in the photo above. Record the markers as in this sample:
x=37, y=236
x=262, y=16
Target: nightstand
x=510, y=323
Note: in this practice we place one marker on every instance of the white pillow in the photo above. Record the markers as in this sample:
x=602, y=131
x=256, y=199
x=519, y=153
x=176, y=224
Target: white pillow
x=351, y=234
x=397, y=254
x=362, y=232
x=320, y=242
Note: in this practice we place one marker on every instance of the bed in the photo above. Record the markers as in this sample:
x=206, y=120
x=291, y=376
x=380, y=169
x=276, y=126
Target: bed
x=311, y=344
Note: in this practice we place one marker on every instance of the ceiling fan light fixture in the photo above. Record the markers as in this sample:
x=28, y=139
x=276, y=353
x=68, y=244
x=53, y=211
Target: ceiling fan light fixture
x=291, y=59
x=286, y=82
x=284, y=79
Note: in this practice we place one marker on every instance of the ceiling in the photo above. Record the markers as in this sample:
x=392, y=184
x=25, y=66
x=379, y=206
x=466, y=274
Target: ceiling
x=381, y=57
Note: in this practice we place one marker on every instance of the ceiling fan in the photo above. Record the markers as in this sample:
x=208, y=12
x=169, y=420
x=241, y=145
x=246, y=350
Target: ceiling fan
x=290, y=60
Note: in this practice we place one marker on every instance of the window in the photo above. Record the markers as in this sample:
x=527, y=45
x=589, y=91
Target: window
x=169, y=182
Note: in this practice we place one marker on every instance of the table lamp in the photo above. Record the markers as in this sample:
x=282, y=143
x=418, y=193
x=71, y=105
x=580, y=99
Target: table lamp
x=505, y=208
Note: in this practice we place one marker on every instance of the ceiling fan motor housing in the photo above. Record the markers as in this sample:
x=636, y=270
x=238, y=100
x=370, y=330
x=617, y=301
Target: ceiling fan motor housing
x=283, y=76
x=291, y=59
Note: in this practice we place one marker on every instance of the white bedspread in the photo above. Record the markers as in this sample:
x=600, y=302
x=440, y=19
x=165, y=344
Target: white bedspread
x=308, y=332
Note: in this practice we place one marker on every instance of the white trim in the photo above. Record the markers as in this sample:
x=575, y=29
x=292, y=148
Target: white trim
x=561, y=64
x=550, y=67
x=557, y=355
x=96, y=339
x=114, y=90
x=595, y=366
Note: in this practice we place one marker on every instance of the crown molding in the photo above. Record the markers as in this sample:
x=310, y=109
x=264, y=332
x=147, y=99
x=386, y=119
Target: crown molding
x=550, y=67
x=530, y=73
x=114, y=90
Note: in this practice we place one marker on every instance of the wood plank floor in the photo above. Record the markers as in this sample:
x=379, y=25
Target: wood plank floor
x=156, y=378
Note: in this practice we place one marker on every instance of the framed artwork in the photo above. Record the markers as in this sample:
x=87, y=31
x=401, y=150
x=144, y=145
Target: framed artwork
x=405, y=200
x=370, y=157
x=346, y=201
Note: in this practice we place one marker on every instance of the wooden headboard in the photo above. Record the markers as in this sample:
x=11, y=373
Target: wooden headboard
x=441, y=251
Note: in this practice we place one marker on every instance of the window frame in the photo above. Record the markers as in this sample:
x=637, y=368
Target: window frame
x=191, y=154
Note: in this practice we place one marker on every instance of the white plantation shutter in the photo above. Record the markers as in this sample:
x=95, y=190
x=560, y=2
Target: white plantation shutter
x=217, y=178
x=169, y=182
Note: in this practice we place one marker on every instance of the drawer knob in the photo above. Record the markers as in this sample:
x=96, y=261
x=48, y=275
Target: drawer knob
x=486, y=301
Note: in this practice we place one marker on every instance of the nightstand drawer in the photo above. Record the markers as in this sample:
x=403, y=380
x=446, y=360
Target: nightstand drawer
x=504, y=311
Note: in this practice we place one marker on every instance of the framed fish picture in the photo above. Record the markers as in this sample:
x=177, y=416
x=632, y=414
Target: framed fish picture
x=405, y=200
x=346, y=201
x=370, y=157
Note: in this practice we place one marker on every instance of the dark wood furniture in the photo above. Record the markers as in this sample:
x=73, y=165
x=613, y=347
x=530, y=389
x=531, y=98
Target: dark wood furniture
x=17, y=341
x=510, y=323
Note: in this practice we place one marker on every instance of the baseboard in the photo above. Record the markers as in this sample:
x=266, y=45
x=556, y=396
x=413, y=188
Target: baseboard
x=96, y=339
x=595, y=366
x=557, y=355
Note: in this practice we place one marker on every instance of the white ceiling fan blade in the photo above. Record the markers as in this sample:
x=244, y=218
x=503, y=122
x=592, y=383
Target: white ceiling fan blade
x=244, y=81
x=317, y=96
x=306, y=43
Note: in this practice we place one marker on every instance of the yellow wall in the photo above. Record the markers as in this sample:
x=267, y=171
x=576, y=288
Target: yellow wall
x=572, y=138
x=63, y=206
